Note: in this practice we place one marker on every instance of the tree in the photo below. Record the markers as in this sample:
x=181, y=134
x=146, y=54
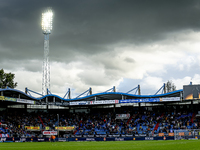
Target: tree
x=170, y=86
x=7, y=80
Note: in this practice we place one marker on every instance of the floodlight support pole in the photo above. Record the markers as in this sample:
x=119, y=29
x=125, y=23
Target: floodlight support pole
x=58, y=125
x=46, y=66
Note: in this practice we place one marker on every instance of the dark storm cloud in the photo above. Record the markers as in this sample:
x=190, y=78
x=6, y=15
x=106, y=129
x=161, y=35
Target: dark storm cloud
x=89, y=27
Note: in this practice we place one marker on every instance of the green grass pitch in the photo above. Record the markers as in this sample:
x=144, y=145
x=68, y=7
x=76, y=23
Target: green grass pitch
x=107, y=145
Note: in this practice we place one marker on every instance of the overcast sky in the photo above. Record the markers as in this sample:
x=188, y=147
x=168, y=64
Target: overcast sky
x=102, y=43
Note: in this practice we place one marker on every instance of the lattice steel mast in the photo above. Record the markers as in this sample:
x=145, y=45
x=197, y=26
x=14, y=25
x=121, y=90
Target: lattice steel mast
x=47, y=18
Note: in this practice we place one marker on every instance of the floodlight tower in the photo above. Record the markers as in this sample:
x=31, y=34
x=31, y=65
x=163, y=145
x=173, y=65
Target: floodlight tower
x=47, y=18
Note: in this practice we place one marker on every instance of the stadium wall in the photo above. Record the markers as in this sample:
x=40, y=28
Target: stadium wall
x=84, y=139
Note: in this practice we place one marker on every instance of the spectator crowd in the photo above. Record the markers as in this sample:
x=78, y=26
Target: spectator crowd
x=100, y=123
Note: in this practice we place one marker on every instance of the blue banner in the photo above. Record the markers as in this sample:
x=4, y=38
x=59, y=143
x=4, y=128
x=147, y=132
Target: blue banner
x=143, y=100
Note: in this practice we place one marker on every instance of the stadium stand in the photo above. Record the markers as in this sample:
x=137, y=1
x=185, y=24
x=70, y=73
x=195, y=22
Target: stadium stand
x=102, y=116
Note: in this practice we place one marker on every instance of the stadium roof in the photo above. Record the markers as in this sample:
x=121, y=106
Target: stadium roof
x=98, y=96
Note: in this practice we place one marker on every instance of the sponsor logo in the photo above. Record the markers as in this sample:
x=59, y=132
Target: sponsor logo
x=104, y=102
x=25, y=101
x=78, y=103
x=3, y=139
x=41, y=139
x=32, y=128
x=49, y=132
x=3, y=98
x=149, y=138
x=90, y=139
x=94, y=102
x=23, y=139
x=119, y=139
x=62, y=139
x=68, y=128
x=4, y=135
x=168, y=99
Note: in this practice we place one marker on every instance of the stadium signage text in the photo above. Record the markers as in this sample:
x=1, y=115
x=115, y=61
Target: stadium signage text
x=4, y=135
x=68, y=128
x=94, y=102
x=3, y=98
x=50, y=133
x=104, y=102
x=169, y=99
x=79, y=103
x=32, y=128
x=62, y=139
x=142, y=100
x=147, y=100
x=41, y=139
x=25, y=101
x=149, y=138
x=90, y=139
x=119, y=139
x=3, y=139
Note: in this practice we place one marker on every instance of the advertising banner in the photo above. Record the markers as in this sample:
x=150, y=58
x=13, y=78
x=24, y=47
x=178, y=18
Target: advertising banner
x=62, y=139
x=4, y=135
x=4, y=98
x=149, y=100
x=191, y=92
x=161, y=134
x=104, y=102
x=25, y=101
x=170, y=99
x=143, y=100
x=65, y=103
x=170, y=134
x=181, y=133
x=68, y=128
x=79, y=103
x=32, y=128
x=47, y=128
x=50, y=132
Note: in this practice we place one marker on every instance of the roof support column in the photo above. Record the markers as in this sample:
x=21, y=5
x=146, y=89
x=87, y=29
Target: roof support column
x=114, y=89
x=54, y=99
x=139, y=92
x=47, y=103
x=26, y=90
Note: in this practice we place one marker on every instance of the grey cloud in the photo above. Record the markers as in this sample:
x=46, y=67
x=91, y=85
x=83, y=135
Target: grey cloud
x=130, y=60
x=90, y=27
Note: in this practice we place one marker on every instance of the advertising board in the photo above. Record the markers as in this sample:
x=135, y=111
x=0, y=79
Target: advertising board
x=50, y=132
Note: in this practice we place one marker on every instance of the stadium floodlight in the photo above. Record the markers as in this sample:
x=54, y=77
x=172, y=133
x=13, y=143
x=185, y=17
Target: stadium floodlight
x=47, y=18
